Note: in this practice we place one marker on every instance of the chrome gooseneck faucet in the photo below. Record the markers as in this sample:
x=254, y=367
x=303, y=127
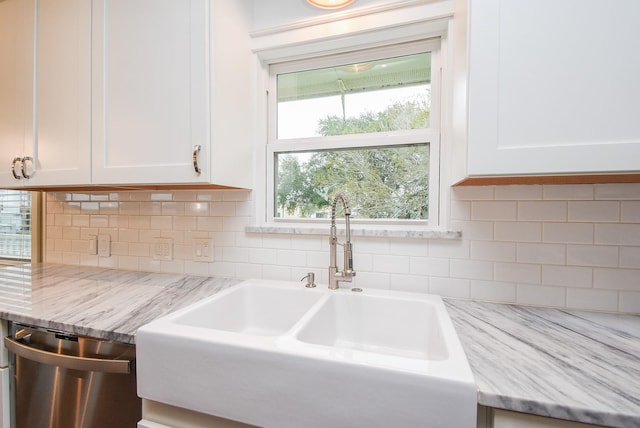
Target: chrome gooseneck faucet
x=347, y=272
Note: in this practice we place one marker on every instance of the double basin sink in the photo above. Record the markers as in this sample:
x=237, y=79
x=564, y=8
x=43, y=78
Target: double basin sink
x=278, y=354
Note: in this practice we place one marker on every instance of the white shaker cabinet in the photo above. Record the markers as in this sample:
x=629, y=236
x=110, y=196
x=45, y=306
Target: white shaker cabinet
x=553, y=87
x=45, y=87
x=170, y=92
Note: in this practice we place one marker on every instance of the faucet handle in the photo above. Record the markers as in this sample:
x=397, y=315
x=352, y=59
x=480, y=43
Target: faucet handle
x=310, y=277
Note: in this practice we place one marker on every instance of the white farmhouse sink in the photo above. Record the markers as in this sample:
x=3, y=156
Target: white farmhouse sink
x=252, y=309
x=277, y=354
x=377, y=325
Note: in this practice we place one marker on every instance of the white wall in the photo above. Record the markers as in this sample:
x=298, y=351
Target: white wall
x=276, y=13
x=574, y=246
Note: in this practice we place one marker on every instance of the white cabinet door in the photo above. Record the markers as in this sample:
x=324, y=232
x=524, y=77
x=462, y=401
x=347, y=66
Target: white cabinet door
x=553, y=87
x=44, y=73
x=16, y=77
x=61, y=146
x=150, y=91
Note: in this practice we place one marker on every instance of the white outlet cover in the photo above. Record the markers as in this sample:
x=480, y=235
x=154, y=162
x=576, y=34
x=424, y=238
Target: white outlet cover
x=162, y=249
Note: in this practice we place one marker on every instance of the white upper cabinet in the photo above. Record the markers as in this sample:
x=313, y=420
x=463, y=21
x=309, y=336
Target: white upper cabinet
x=553, y=87
x=169, y=92
x=125, y=92
x=45, y=86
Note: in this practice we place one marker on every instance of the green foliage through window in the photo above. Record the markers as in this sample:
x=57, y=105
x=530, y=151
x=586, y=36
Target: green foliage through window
x=382, y=180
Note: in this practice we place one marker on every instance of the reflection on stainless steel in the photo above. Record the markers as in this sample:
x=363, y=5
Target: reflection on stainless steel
x=64, y=381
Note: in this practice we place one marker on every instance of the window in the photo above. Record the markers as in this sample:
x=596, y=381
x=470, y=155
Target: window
x=15, y=225
x=365, y=123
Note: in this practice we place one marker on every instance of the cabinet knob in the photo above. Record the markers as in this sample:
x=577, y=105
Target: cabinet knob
x=196, y=151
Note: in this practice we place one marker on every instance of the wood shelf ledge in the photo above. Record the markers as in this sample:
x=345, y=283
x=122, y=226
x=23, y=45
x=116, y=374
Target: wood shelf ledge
x=548, y=179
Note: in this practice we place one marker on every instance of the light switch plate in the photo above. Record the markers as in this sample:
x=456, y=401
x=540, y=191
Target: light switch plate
x=93, y=245
x=104, y=246
x=203, y=250
x=163, y=249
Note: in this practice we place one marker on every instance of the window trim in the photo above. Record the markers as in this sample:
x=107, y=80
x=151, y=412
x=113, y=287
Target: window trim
x=431, y=135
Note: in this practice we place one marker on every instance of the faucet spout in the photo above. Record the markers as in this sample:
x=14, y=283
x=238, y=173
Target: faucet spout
x=347, y=272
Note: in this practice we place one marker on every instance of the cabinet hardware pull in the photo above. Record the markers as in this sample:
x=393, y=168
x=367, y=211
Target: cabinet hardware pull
x=67, y=361
x=13, y=167
x=24, y=166
x=196, y=151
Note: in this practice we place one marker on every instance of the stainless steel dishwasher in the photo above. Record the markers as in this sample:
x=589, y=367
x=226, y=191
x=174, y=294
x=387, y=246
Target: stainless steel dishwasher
x=64, y=381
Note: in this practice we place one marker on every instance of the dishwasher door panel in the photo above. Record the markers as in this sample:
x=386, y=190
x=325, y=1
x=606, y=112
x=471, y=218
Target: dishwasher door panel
x=49, y=392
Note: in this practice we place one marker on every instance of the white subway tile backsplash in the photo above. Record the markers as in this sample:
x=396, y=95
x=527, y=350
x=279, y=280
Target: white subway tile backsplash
x=592, y=255
x=473, y=193
x=429, y=267
x=474, y=230
x=540, y=295
x=520, y=231
x=471, y=269
x=453, y=249
x=594, y=211
x=567, y=276
x=571, y=233
x=494, y=210
x=570, y=192
x=493, y=291
x=617, y=192
x=371, y=280
x=617, y=234
x=542, y=211
x=630, y=257
x=553, y=254
x=595, y=300
x=460, y=210
x=629, y=301
x=630, y=212
x=391, y=264
x=290, y=258
x=575, y=246
x=411, y=283
x=99, y=221
x=150, y=208
x=409, y=247
x=518, y=192
x=518, y=273
x=196, y=208
x=616, y=279
x=493, y=250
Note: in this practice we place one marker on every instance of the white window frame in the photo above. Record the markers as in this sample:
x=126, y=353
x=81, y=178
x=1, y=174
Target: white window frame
x=429, y=135
x=379, y=24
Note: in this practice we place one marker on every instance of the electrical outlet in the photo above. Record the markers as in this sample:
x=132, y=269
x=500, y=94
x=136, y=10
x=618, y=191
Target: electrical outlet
x=93, y=245
x=163, y=249
x=203, y=250
x=104, y=246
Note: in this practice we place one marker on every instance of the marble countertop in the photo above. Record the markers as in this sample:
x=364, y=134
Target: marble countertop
x=581, y=366
x=103, y=303
x=575, y=365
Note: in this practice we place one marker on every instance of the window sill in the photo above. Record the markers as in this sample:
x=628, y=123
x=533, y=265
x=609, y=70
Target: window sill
x=368, y=232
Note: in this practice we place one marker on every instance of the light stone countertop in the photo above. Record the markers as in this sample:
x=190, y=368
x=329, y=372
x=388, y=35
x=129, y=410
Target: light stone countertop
x=581, y=366
x=566, y=364
x=90, y=301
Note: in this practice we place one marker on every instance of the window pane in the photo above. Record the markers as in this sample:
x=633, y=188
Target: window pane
x=381, y=182
x=375, y=96
x=15, y=224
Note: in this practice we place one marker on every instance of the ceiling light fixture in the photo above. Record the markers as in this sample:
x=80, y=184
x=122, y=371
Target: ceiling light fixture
x=330, y=4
